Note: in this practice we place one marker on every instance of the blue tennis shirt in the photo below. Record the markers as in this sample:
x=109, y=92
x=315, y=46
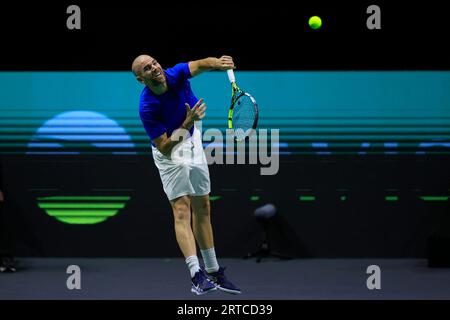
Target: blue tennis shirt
x=166, y=112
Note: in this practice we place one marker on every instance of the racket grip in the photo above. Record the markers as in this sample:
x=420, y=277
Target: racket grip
x=230, y=74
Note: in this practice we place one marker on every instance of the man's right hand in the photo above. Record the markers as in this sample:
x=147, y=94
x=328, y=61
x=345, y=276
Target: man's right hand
x=195, y=114
x=165, y=144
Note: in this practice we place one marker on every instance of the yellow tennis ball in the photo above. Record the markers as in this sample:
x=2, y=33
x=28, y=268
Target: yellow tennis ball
x=315, y=22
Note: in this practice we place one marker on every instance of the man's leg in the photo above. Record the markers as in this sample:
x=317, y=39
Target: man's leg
x=201, y=221
x=186, y=241
x=183, y=231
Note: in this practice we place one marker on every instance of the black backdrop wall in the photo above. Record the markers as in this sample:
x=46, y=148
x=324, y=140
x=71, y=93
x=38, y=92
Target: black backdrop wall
x=364, y=225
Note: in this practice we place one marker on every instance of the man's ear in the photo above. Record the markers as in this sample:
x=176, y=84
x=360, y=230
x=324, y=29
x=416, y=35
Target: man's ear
x=140, y=79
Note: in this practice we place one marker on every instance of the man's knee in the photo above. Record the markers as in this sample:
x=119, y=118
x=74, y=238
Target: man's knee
x=201, y=207
x=181, y=209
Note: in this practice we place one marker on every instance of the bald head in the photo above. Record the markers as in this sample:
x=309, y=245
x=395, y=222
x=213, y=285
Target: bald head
x=136, y=67
x=148, y=71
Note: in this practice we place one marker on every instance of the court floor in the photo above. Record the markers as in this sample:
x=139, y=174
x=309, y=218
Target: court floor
x=167, y=279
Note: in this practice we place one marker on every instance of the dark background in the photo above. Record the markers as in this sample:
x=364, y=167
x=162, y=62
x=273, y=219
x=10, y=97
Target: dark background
x=365, y=225
x=260, y=35
x=269, y=36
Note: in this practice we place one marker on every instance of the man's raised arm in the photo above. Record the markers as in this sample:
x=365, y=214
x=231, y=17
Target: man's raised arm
x=223, y=63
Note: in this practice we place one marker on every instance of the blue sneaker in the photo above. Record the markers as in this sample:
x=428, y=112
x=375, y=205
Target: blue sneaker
x=222, y=283
x=201, y=284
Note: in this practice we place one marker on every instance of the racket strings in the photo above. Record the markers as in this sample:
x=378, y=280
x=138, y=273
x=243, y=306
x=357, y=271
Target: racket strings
x=244, y=115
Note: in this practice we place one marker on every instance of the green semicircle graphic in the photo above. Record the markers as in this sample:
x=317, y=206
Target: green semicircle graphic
x=82, y=209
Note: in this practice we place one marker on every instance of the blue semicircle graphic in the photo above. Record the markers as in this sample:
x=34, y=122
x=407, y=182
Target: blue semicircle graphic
x=69, y=132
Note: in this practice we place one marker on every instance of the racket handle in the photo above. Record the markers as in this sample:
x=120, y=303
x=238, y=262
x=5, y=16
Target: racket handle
x=230, y=74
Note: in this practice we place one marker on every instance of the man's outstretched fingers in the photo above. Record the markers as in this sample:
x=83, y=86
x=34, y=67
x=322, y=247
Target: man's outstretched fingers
x=202, y=108
x=199, y=102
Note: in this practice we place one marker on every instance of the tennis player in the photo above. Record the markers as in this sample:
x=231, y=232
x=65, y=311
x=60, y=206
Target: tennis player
x=168, y=109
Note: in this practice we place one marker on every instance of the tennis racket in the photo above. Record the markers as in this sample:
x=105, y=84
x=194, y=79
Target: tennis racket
x=243, y=112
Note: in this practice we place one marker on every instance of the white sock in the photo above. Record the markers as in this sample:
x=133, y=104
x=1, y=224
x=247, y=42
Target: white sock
x=193, y=265
x=209, y=258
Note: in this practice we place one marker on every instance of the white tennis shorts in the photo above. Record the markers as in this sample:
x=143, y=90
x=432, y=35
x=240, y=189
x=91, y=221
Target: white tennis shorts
x=185, y=171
